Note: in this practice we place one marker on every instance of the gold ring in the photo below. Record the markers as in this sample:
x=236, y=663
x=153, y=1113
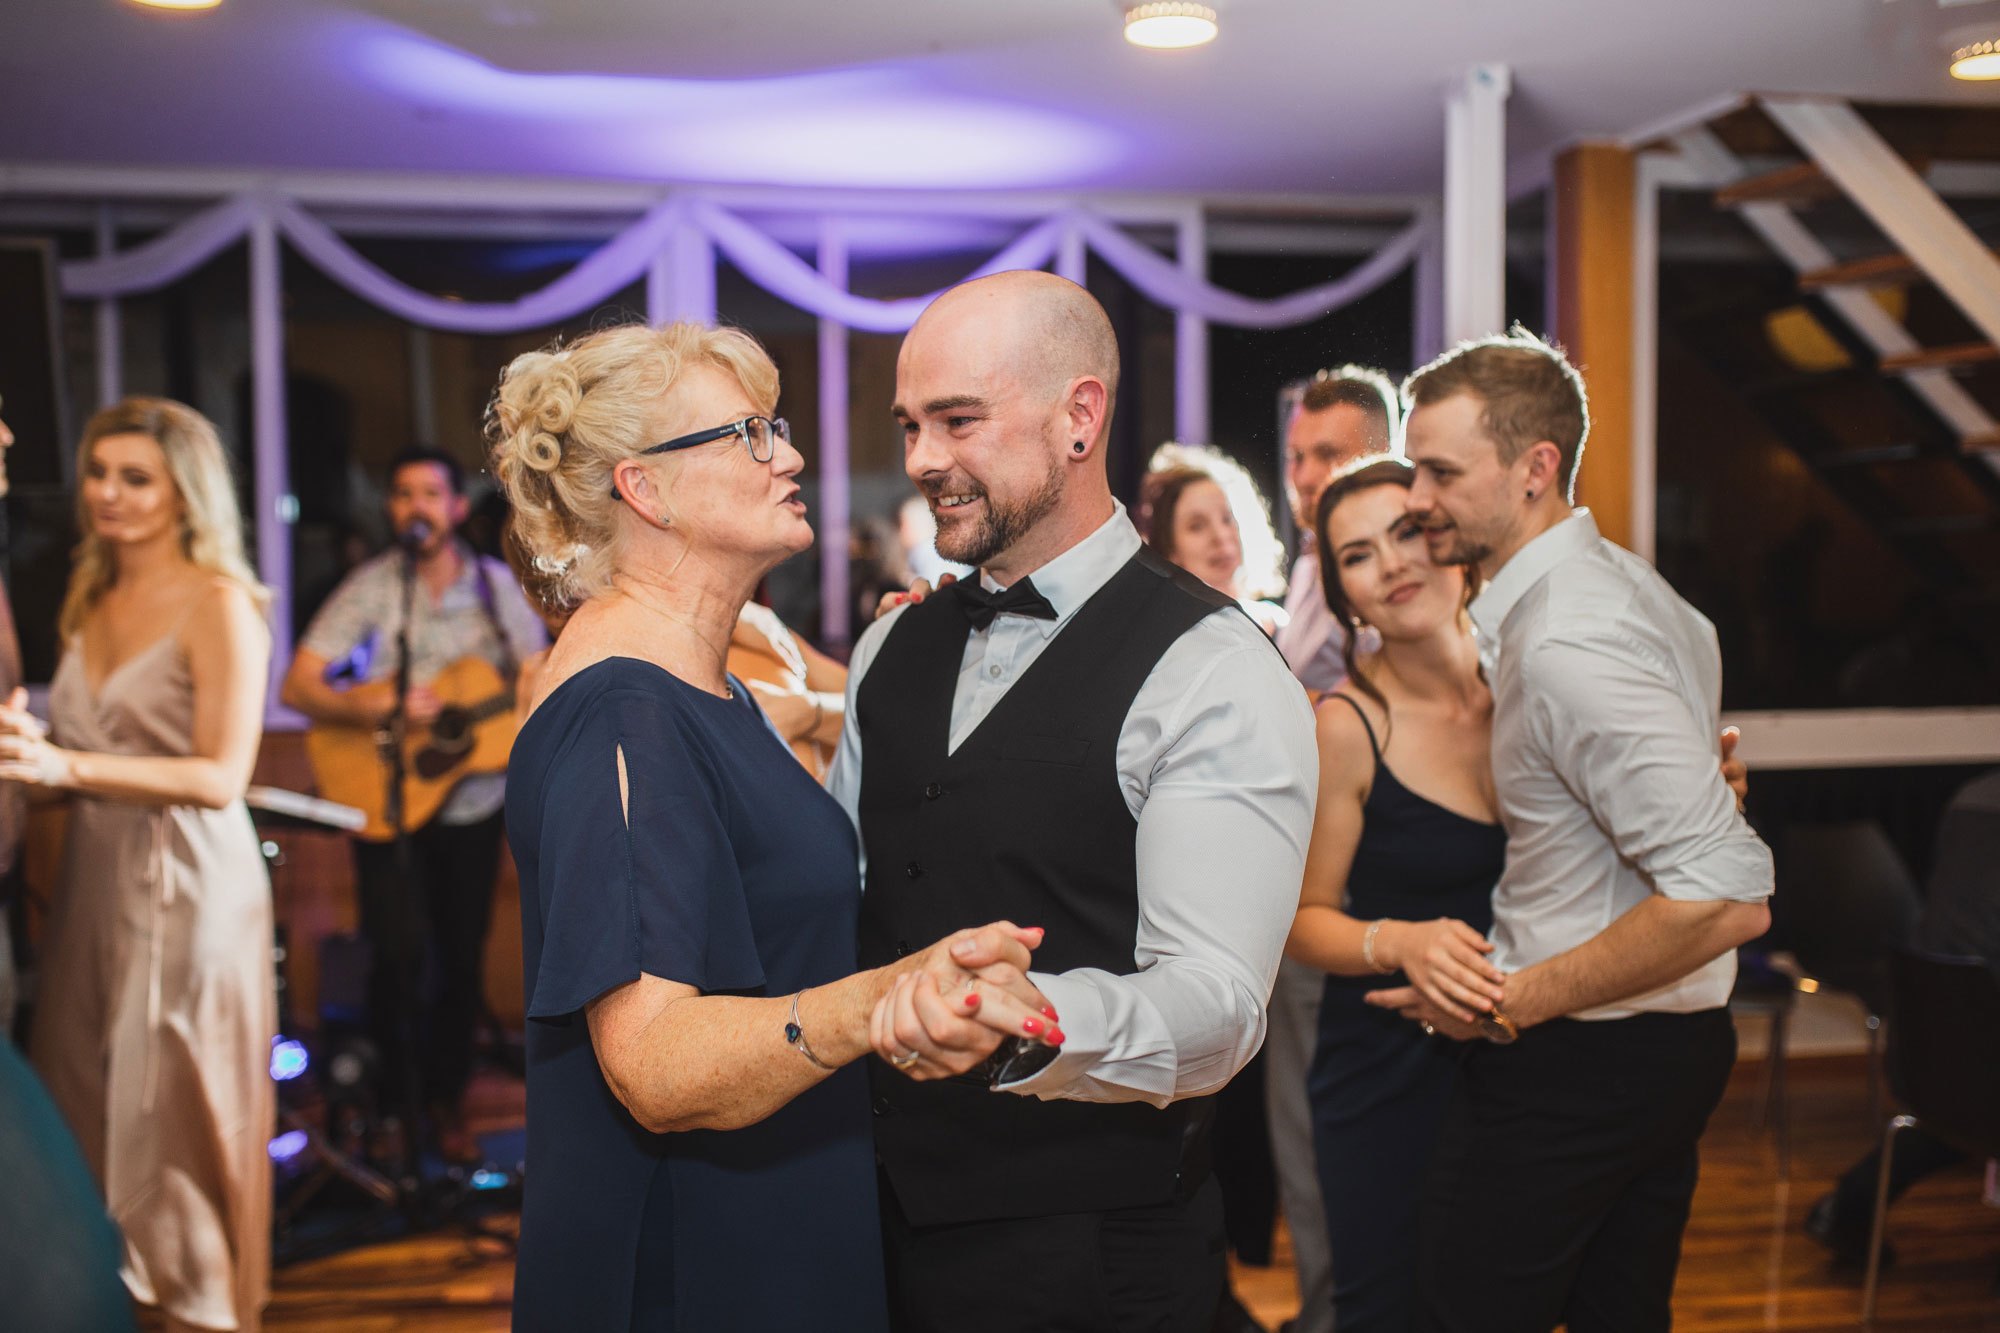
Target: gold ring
x=1429, y=1031
x=903, y=1061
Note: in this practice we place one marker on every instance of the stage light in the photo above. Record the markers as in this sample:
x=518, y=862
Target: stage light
x=1169, y=24
x=288, y=1059
x=288, y=1145
x=180, y=4
x=1977, y=61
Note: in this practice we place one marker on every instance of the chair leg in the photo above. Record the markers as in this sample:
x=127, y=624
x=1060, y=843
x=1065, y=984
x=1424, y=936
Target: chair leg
x=1760, y=1109
x=1881, y=1218
x=1877, y=1076
x=1780, y=1108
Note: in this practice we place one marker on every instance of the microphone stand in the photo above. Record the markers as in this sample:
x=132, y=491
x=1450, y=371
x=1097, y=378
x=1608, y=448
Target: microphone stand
x=405, y=906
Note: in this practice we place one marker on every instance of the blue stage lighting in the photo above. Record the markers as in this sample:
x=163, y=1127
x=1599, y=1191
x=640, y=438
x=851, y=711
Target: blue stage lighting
x=288, y=1145
x=288, y=1059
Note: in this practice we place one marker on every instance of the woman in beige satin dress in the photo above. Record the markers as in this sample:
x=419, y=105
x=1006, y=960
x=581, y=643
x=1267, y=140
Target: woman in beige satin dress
x=156, y=1011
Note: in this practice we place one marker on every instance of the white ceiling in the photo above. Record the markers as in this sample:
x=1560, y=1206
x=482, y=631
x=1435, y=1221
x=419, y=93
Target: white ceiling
x=1295, y=95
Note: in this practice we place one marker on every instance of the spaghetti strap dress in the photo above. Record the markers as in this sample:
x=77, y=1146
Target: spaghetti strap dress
x=157, y=1004
x=1378, y=1086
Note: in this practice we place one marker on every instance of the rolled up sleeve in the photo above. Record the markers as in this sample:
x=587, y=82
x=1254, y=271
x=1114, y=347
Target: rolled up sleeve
x=1622, y=736
x=1221, y=848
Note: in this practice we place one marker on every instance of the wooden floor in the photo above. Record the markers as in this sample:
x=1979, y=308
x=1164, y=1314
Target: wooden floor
x=1746, y=1265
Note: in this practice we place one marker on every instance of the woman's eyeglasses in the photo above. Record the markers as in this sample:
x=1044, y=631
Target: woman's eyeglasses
x=760, y=435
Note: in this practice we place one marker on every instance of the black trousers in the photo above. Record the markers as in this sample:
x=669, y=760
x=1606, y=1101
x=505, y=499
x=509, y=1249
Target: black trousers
x=1158, y=1269
x=429, y=938
x=1561, y=1181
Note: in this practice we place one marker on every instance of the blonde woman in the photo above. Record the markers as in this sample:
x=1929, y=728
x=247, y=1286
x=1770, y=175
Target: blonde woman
x=155, y=1013
x=1202, y=511
x=698, y=1116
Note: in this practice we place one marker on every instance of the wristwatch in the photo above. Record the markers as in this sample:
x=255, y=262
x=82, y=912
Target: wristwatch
x=1497, y=1028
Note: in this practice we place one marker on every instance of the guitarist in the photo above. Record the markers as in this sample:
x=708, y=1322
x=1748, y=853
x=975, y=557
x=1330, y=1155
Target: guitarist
x=464, y=605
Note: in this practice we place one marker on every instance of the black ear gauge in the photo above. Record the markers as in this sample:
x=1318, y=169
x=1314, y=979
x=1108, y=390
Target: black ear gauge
x=1078, y=446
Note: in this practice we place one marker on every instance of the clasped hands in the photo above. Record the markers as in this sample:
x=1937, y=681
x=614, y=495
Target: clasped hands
x=25, y=752
x=1451, y=979
x=947, y=1008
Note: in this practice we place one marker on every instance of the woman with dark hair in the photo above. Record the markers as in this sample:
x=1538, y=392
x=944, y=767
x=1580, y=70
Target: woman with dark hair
x=1406, y=849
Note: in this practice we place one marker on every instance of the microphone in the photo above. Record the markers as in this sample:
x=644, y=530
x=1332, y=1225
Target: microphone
x=414, y=537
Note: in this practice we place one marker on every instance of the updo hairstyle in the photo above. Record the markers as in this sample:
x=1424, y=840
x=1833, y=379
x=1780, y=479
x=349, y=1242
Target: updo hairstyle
x=564, y=417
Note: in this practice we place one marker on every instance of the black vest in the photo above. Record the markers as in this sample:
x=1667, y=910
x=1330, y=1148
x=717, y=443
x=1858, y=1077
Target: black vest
x=1025, y=822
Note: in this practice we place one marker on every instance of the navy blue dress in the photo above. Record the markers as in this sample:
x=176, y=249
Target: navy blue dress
x=1378, y=1085
x=737, y=875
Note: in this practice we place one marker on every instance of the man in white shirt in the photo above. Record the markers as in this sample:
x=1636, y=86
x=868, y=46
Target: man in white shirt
x=1561, y=1183
x=1344, y=414
x=1087, y=740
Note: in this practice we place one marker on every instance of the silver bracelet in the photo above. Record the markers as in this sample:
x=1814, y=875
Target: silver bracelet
x=796, y=1035
x=1368, y=947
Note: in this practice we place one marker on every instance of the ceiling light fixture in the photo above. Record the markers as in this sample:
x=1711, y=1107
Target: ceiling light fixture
x=1168, y=24
x=181, y=4
x=1977, y=61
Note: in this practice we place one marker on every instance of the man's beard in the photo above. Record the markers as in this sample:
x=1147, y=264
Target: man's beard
x=1003, y=525
x=1459, y=549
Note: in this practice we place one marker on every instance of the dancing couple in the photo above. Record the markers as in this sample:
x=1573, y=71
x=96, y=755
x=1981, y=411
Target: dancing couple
x=1079, y=790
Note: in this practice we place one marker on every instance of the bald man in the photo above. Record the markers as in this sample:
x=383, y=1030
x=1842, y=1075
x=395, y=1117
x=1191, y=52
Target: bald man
x=1086, y=739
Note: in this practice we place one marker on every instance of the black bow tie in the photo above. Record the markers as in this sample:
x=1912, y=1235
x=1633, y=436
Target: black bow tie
x=980, y=606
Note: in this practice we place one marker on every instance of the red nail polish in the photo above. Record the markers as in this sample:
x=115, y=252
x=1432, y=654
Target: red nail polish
x=972, y=1000
x=1049, y=1013
x=1055, y=1037
x=1031, y=1026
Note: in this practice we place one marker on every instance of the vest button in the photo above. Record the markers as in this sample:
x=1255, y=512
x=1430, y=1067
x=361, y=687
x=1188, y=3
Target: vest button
x=882, y=1108
x=933, y=790
x=913, y=870
x=903, y=949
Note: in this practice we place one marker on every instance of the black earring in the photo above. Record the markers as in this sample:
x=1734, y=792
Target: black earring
x=1078, y=446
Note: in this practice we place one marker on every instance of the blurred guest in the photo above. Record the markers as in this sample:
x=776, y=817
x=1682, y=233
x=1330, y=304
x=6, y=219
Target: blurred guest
x=13, y=798
x=1962, y=919
x=465, y=605
x=58, y=1251
x=875, y=570
x=916, y=532
x=156, y=1007
x=1205, y=515
x=1345, y=413
x=800, y=688
x=1630, y=879
x=699, y=1125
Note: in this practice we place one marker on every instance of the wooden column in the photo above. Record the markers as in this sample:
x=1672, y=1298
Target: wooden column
x=1590, y=277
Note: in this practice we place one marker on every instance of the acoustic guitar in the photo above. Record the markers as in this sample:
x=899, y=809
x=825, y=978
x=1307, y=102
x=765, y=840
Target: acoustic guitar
x=474, y=733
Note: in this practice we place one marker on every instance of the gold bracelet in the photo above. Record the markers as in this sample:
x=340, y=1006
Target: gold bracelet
x=1368, y=946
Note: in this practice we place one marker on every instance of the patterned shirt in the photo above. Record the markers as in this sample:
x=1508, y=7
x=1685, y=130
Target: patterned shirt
x=355, y=630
